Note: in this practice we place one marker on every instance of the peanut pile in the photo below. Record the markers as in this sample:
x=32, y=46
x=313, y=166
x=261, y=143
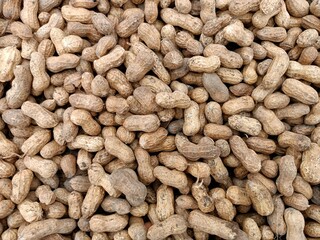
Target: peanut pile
x=159, y=119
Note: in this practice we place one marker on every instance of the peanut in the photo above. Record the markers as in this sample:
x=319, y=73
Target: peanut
x=287, y=173
x=295, y=223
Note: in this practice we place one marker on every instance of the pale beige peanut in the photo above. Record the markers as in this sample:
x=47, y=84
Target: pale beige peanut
x=72, y=14
x=273, y=34
x=68, y=165
x=176, y=99
x=307, y=38
x=270, y=122
x=261, y=145
x=21, y=183
x=260, y=197
x=245, y=124
x=145, y=123
x=36, y=142
x=113, y=146
x=287, y=173
x=131, y=19
x=171, y=178
x=165, y=202
x=173, y=60
x=150, y=35
x=45, y=195
x=44, y=167
x=151, y=10
x=302, y=186
x=150, y=140
x=260, y=92
x=83, y=30
x=145, y=168
x=159, y=230
x=69, y=129
x=238, y=7
x=6, y=208
x=118, y=105
x=167, y=145
x=309, y=164
x=173, y=160
x=28, y=14
x=199, y=170
x=191, y=124
x=297, y=201
x=235, y=32
x=21, y=87
x=11, y=57
x=40, y=229
x=217, y=131
x=88, y=143
x=30, y=211
x=41, y=79
x=84, y=119
x=119, y=82
x=208, y=9
x=125, y=135
x=246, y=156
x=298, y=141
x=56, y=36
x=295, y=223
x=312, y=229
x=137, y=229
x=204, y=64
x=113, y=59
x=300, y=91
x=308, y=73
x=276, y=100
x=251, y=228
x=15, y=117
x=213, y=112
x=104, y=45
x=185, y=21
x=92, y=201
x=238, y=196
x=260, y=18
x=213, y=25
x=72, y=44
x=313, y=212
x=237, y=105
x=278, y=66
x=225, y=209
x=86, y=101
x=62, y=62
x=78, y=184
